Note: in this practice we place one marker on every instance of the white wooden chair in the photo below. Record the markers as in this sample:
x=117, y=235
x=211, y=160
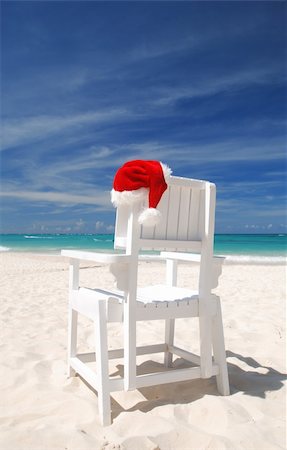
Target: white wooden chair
x=185, y=233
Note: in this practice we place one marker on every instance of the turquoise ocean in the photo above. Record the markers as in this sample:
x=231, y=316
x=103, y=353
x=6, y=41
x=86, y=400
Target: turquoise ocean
x=263, y=247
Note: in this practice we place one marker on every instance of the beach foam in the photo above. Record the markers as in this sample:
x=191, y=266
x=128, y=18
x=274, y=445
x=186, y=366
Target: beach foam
x=4, y=249
x=257, y=260
x=38, y=237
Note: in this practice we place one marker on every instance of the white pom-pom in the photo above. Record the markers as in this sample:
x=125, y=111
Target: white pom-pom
x=149, y=217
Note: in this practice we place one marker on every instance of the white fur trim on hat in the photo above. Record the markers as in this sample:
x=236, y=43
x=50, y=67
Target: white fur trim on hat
x=128, y=197
x=149, y=217
x=166, y=171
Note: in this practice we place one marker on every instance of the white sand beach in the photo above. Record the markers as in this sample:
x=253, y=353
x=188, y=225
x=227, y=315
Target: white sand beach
x=41, y=409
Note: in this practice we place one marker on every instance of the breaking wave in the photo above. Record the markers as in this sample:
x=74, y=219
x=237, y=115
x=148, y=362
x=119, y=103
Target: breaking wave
x=38, y=237
x=4, y=249
x=254, y=259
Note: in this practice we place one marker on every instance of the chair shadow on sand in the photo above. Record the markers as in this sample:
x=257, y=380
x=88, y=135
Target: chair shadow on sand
x=251, y=382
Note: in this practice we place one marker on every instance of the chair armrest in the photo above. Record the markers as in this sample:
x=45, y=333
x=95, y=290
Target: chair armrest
x=151, y=258
x=193, y=257
x=217, y=262
x=108, y=258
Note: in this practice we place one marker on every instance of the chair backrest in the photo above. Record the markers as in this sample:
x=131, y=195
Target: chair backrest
x=187, y=222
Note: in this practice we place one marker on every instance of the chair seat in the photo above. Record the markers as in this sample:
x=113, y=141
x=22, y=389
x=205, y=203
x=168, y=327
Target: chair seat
x=156, y=294
x=153, y=302
x=161, y=293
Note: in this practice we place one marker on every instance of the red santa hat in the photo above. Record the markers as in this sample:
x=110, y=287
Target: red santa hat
x=137, y=180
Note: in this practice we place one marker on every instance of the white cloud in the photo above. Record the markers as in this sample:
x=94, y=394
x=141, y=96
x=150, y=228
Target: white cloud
x=155, y=49
x=217, y=83
x=110, y=228
x=91, y=158
x=80, y=223
x=64, y=198
x=223, y=151
x=22, y=131
x=99, y=225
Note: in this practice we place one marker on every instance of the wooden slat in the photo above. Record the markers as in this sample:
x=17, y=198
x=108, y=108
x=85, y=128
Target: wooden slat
x=173, y=212
x=183, y=214
x=143, y=350
x=193, y=257
x=119, y=352
x=191, y=357
x=147, y=232
x=120, y=242
x=102, y=363
x=158, y=312
x=169, y=376
x=107, y=258
x=193, y=214
x=160, y=229
x=82, y=369
x=191, y=246
x=187, y=182
x=121, y=224
x=129, y=306
x=219, y=352
x=201, y=215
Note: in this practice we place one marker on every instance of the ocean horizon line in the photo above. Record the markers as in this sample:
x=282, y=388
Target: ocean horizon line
x=109, y=234
x=241, y=245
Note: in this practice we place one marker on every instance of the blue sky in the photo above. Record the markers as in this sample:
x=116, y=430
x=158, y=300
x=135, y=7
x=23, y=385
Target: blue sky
x=89, y=85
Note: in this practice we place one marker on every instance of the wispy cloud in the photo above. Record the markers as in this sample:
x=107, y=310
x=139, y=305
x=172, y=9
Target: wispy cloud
x=23, y=131
x=85, y=176
x=98, y=199
x=216, y=83
x=221, y=152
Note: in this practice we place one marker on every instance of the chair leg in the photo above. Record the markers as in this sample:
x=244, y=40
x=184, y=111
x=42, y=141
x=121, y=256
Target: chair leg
x=205, y=325
x=72, y=338
x=169, y=338
x=102, y=363
x=219, y=352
